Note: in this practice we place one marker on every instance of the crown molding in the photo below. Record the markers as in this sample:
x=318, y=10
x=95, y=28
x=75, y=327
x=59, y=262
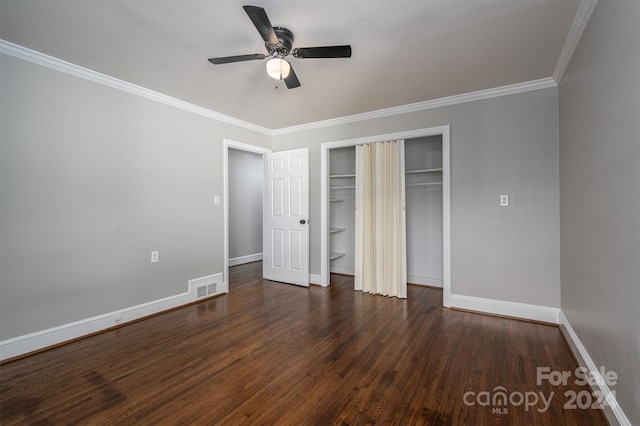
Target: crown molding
x=421, y=106
x=94, y=76
x=35, y=57
x=578, y=26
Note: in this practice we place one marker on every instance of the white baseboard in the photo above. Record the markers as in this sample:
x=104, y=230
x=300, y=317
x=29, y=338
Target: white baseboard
x=612, y=410
x=245, y=259
x=342, y=270
x=20, y=345
x=503, y=307
x=315, y=279
x=424, y=280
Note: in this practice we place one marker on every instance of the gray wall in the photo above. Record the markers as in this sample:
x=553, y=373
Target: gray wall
x=505, y=145
x=246, y=177
x=599, y=98
x=92, y=180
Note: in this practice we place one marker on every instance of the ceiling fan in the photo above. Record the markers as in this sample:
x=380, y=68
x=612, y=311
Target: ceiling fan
x=279, y=44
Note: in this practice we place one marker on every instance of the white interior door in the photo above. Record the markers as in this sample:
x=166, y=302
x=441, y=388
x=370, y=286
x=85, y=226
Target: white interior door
x=286, y=256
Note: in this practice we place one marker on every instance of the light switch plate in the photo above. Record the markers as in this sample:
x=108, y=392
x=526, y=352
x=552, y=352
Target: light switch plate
x=216, y=199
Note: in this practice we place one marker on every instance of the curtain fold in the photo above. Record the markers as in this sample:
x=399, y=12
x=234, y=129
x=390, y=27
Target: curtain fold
x=380, y=255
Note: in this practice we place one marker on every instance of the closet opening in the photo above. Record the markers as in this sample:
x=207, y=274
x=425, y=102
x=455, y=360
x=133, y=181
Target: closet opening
x=423, y=200
x=427, y=204
x=342, y=177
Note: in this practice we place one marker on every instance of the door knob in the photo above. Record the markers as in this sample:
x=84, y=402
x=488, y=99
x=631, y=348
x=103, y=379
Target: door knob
x=302, y=221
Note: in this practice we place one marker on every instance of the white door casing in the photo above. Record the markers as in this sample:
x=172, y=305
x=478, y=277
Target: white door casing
x=286, y=258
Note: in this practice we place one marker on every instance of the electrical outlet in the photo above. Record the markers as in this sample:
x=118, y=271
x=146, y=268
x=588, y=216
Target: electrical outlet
x=154, y=256
x=504, y=201
x=117, y=317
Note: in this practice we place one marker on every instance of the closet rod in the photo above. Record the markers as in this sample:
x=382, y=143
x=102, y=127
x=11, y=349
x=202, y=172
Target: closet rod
x=424, y=184
x=408, y=172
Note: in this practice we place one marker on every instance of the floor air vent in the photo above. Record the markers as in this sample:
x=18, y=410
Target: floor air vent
x=210, y=285
x=207, y=290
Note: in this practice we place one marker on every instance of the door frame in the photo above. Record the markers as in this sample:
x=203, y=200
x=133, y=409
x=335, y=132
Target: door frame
x=228, y=143
x=444, y=132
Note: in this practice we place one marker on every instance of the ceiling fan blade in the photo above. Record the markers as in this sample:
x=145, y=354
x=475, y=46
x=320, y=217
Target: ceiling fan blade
x=292, y=80
x=260, y=19
x=322, y=52
x=238, y=58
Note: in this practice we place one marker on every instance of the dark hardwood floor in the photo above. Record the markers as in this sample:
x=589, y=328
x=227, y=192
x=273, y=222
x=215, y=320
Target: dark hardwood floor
x=271, y=353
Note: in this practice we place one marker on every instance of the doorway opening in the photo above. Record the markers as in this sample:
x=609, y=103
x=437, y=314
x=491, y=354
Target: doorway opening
x=244, y=206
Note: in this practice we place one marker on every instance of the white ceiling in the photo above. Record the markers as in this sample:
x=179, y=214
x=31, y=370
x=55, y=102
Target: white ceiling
x=403, y=51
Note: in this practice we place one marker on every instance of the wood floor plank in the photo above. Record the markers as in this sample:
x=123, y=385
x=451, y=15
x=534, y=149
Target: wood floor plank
x=270, y=353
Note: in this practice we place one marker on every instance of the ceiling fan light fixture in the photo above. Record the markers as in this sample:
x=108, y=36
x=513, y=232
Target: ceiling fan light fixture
x=278, y=68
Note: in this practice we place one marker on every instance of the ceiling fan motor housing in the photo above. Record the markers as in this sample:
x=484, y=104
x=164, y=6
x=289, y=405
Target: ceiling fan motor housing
x=285, y=38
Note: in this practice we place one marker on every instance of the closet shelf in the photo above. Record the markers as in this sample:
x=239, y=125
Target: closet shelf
x=334, y=230
x=408, y=172
x=336, y=200
x=334, y=255
x=344, y=187
x=425, y=184
x=343, y=176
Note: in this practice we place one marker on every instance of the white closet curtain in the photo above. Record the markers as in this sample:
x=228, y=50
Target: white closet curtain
x=381, y=258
